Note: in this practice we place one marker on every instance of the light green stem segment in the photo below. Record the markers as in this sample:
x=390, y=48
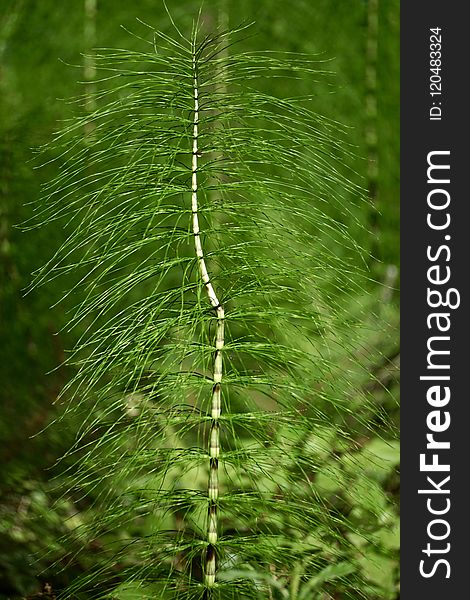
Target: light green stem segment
x=89, y=66
x=214, y=446
x=371, y=96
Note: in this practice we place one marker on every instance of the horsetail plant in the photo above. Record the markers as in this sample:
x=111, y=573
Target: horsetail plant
x=208, y=240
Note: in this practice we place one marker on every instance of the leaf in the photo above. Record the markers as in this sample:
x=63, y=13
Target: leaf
x=134, y=591
x=376, y=459
x=381, y=571
x=329, y=573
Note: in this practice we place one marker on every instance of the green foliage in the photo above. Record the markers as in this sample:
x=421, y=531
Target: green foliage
x=272, y=209
x=321, y=431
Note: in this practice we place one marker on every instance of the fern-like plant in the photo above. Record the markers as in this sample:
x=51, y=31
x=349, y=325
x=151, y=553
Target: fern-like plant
x=208, y=241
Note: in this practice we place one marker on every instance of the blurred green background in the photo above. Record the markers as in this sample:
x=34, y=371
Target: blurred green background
x=41, y=46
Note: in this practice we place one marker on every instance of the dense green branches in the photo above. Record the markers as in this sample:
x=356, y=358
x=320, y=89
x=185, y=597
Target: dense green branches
x=208, y=224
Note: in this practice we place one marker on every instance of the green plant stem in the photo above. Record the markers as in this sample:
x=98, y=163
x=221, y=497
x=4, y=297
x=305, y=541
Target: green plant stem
x=371, y=108
x=89, y=65
x=214, y=446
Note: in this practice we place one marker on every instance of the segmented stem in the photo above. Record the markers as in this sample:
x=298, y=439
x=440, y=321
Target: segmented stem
x=89, y=66
x=214, y=445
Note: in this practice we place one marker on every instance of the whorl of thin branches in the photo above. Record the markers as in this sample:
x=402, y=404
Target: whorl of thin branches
x=208, y=464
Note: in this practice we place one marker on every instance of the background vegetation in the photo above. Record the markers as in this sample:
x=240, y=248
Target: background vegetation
x=38, y=543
